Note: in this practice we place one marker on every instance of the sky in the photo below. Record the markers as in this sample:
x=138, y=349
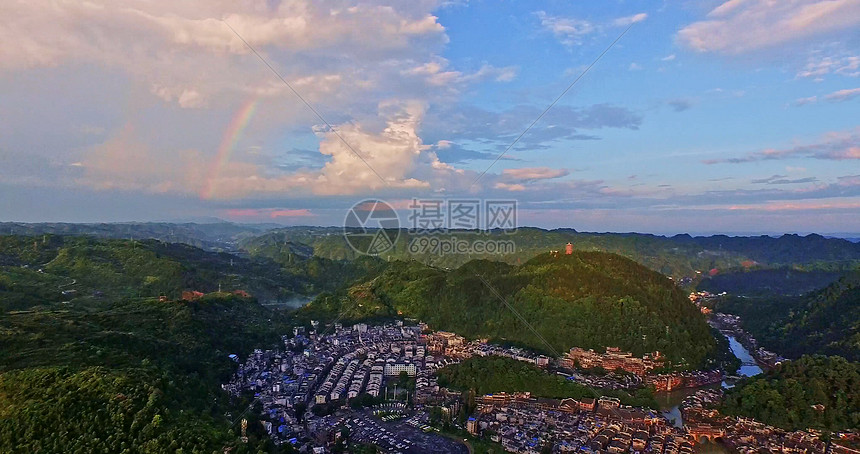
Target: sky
x=706, y=116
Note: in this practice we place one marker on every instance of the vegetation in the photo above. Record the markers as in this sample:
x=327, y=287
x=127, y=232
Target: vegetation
x=101, y=410
x=109, y=371
x=488, y=375
x=212, y=236
x=824, y=322
x=587, y=299
x=37, y=271
x=136, y=376
x=677, y=256
x=769, y=282
x=812, y=392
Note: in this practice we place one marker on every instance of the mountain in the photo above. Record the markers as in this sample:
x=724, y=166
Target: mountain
x=677, y=256
x=826, y=321
x=785, y=397
x=211, y=234
x=587, y=299
x=93, y=360
x=49, y=269
x=768, y=282
x=131, y=375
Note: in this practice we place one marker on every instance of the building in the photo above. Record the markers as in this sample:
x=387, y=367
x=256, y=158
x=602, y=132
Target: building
x=568, y=249
x=395, y=368
x=472, y=426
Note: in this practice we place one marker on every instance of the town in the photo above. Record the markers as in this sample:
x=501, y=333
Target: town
x=378, y=384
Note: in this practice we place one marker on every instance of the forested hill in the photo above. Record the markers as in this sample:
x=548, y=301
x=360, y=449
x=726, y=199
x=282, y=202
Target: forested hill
x=215, y=235
x=825, y=321
x=48, y=269
x=92, y=360
x=678, y=256
x=769, y=282
x=790, y=395
x=138, y=375
x=587, y=299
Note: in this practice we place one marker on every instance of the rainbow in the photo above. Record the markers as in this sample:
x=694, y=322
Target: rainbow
x=228, y=143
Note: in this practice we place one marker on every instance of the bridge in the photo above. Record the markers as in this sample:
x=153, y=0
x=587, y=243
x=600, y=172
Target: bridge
x=705, y=432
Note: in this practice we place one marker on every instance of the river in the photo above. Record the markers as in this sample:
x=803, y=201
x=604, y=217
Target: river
x=670, y=401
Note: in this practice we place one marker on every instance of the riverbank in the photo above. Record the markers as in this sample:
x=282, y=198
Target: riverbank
x=670, y=401
x=730, y=326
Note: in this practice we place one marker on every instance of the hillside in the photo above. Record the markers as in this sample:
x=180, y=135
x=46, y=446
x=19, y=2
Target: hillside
x=217, y=236
x=785, y=396
x=768, y=282
x=825, y=322
x=496, y=374
x=587, y=299
x=47, y=270
x=134, y=376
x=678, y=256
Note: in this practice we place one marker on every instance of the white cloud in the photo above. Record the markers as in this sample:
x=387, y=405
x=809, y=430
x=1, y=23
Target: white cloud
x=341, y=59
x=739, y=26
x=186, y=53
x=436, y=73
x=390, y=154
x=567, y=29
x=625, y=21
x=843, y=95
x=516, y=187
x=534, y=173
x=391, y=158
x=668, y=58
x=835, y=146
x=805, y=101
x=837, y=96
x=846, y=66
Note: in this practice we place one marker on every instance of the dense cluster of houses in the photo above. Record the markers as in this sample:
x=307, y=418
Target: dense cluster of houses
x=677, y=380
x=347, y=363
x=453, y=346
x=612, y=359
x=322, y=368
x=525, y=424
x=745, y=435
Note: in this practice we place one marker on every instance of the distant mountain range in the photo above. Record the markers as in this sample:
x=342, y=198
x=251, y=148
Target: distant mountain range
x=677, y=256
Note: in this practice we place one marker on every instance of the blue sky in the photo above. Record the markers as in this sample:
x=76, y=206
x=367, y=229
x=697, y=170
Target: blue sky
x=735, y=116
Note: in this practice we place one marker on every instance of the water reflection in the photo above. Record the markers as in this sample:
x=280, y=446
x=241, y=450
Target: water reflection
x=670, y=401
x=748, y=365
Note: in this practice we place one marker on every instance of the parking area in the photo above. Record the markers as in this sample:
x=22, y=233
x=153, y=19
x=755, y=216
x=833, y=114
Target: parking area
x=397, y=436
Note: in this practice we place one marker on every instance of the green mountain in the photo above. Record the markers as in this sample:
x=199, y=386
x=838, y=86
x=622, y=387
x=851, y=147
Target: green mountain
x=677, y=256
x=48, y=269
x=825, y=321
x=216, y=235
x=92, y=360
x=132, y=376
x=587, y=299
x=785, y=397
x=768, y=282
